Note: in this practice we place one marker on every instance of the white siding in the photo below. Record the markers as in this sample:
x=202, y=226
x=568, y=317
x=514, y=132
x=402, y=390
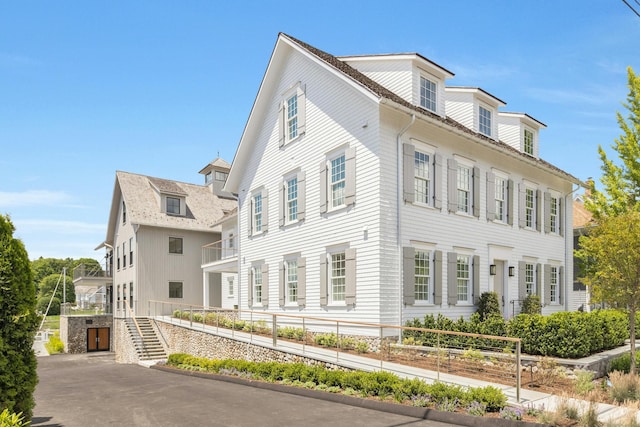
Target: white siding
x=460, y=107
x=509, y=130
x=331, y=125
x=394, y=75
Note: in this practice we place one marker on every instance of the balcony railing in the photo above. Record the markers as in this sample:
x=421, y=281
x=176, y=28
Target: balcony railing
x=218, y=251
x=83, y=271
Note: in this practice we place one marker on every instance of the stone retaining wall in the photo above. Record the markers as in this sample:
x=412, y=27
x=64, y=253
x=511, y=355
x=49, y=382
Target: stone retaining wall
x=184, y=340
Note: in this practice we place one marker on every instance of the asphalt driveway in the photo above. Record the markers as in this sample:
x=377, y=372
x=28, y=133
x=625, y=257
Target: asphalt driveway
x=92, y=390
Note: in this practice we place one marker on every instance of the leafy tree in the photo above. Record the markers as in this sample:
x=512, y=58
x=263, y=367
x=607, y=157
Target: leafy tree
x=48, y=284
x=621, y=182
x=611, y=256
x=43, y=267
x=18, y=324
x=610, y=251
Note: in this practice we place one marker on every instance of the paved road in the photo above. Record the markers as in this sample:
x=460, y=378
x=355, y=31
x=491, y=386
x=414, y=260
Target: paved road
x=90, y=390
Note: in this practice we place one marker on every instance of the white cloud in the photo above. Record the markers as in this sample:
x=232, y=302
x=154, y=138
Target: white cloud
x=33, y=198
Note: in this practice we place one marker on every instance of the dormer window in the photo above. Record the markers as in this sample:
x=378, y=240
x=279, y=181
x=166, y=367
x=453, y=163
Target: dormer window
x=173, y=205
x=427, y=94
x=484, y=121
x=528, y=142
x=208, y=177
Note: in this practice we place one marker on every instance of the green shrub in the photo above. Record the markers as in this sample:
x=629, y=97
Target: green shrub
x=362, y=347
x=326, y=340
x=584, y=382
x=9, y=419
x=347, y=343
x=623, y=363
x=377, y=384
x=531, y=305
x=492, y=397
x=55, y=345
x=488, y=305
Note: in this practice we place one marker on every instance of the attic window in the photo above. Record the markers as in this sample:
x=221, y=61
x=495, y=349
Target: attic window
x=173, y=205
x=484, y=116
x=208, y=177
x=427, y=94
x=528, y=142
x=221, y=176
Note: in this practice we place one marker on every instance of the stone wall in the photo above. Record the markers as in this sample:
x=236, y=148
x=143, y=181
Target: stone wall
x=122, y=343
x=73, y=331
x=184, y=340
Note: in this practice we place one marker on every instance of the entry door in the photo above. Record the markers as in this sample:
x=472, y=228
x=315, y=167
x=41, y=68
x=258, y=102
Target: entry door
x=500, y=287
x=98, y=339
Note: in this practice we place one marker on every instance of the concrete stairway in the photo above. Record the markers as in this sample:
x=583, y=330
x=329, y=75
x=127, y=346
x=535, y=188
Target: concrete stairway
x=148, y=346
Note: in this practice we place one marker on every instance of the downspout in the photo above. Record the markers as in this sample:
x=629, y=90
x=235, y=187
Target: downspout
x=568, y=241
x=399, y=200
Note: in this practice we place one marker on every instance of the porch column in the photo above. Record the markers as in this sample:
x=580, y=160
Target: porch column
x=205, y=288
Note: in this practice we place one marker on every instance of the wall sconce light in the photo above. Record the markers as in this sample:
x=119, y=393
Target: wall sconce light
x=492, y=269
x=512, y=271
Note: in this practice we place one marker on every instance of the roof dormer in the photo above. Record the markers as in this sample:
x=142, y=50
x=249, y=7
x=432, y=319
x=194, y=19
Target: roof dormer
x=172, y=198
x=474, y=108
x=520, y=131
x=409, y=75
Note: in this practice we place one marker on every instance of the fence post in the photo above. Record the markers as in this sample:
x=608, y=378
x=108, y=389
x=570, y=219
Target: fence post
x=438, y=355
x=304, y=337
x=190, y=316
x=337, y=340
x=275, y=332
x=380, y=348
x=518, y=371
x=251, y=326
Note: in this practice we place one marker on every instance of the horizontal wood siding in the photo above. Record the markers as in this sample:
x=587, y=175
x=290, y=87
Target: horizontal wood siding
x=459, y=106
x=394, y=75
x=330, y=126
x=509, y=129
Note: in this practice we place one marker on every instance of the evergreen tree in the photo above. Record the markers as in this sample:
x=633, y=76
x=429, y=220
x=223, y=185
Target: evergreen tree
x=18, y=324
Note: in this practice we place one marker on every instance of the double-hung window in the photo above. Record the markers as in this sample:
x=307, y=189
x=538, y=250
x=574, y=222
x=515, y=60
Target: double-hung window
x=257, y=285
x=292, y=114
x=464, y=185
x=257, y=213
x=422, y=275
x=130, y=250
x=530, y=208
x=338, y=181
x=500, y=199
x=124, y=254
x=528, y=142
x=422, y=177
x=292, y=199
x=463, y=276
x=338, y=277
x=529, y=279
x=292, y=282
x=427, y=94
x=553, y=285
x=292, y=117
x=484, y=121
x=230, y=288
x=124, y=212
x=554, y=226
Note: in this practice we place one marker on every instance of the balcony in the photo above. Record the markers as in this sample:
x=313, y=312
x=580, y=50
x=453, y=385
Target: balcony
x=220, y=256
x=85, y=275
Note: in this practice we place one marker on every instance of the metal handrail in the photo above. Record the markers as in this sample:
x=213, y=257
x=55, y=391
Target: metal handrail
x=340, y=324
x=219, y=250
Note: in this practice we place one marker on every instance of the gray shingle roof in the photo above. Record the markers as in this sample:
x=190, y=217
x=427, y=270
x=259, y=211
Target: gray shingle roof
x=382, y=92
x=204, y=209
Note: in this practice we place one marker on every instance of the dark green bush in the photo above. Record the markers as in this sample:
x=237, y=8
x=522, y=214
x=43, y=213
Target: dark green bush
x=623, y=363
x=43, y=303
x=531, y=305
x=378, y=384
x=488, y=305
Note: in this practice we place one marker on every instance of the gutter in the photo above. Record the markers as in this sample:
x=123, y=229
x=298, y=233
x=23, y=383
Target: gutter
x=399, y=197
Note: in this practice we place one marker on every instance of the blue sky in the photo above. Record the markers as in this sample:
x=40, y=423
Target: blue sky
x=163, y=87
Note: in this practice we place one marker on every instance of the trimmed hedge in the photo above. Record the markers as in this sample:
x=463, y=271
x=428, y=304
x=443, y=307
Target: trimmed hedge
x=563, y=334
x=377, y=384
